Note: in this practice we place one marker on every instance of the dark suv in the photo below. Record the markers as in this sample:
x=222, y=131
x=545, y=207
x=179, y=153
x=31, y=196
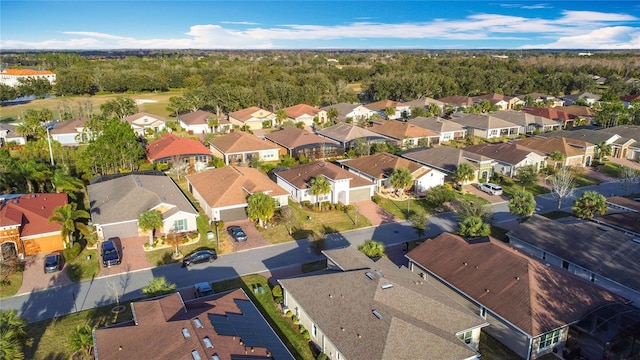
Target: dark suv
x=110, y=254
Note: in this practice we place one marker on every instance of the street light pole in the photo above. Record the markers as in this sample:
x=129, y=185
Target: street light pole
x=50, y=149
x=216, y=222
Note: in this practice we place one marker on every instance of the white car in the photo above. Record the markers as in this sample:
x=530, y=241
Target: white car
x=491, y=189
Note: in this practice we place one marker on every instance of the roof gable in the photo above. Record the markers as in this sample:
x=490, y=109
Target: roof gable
x=402, y=130
x=291, y=137
x=251, y=113
x=31, y=212
x=299, y=110
x=300, y=176
x=69, y=126
x=383, y=104
x=239, y=141
x=381, y=165
x=170, y=145
x=510, y=153
x=568, y=147
x=348, y=132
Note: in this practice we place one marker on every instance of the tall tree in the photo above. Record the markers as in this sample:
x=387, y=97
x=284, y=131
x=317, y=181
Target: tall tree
x=400, y=179
x=390, y=111
x=473, y=208
x=281, y=116
x=82, y=339
x=522, y=203
x=562, y=184
x=71, y=219
x=526, y=176
x=419, y=222
x=332, y=114
x=373, y=249
x=589, y=204
x=13, y=335
x=556, y=156
x=463, y=173
x=602, y=151
x=150, y=220
x=120, y=107
x=320, y=186
x=158, y=286
x=473, y=227
x=261, y=207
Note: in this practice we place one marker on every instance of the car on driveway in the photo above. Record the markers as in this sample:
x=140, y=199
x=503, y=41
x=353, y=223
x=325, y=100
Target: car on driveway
x=202, y=289
x=490, y=188
x=110, y=253
x=237, y=233
x=198, y=257
x=52, y=263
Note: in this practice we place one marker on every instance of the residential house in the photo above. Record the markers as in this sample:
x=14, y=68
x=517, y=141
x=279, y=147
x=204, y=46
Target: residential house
x=306, y=114
x=70, y=132
x=619, y=145
x=348, y=135
x=350, y=112
x=529, y=305
x=628, y=99
x=584, y=115
x=605, y=256
x=222, y=326
x=627, y=132
x=447, y=129
x=144, y=123
x=171, y=149
x=297, y=142
x=12, y=77
x=239, y=148
x=574, y=152
x=378, y=167
x=380, y=107
x=500, y=101
x=529, y=123
x=458, y=102
x=566, y=119
x=447, y=159
x=8, y=135
x=588, y=97
x=509, y=157
x=425, y=103
x=222, y=193
x=547, y=100
x=486, y=126
x=364, y=309
x=253, y=118
x=24, y=224
x=203, y=122
x=406, y=135
x=116, y=205
x=346, y=187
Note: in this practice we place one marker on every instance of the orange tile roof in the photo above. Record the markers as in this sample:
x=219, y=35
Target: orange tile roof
x=31, y=212
x=172, y=145
x=227, y=186
x=549, y=145
x=401, y=130
x=240, y=141
x=296, y=111
x=247, y=114
x=534, y=297
x=26, y=72
x=381, y=165
x=383, y=104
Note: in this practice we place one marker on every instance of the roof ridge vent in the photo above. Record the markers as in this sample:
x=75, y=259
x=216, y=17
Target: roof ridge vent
x=386, y=286
x=370, y=275
x=376, y=314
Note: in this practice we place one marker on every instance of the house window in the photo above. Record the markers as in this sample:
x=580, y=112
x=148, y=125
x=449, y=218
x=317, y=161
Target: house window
x=493, y=133
x=324, y=197
x=466, y=337
x=549, y=339
x=315, y=330
x=483, y=312
x=180, y=225
x=565, y=264
x=592, y=277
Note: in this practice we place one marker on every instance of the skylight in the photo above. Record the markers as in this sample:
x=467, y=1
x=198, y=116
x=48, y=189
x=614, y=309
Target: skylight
x=197, y=322
x=207, y=342
x=185, y=333
x=196, y=355
x=386, y=286
x=370, y=275
x=376, y=313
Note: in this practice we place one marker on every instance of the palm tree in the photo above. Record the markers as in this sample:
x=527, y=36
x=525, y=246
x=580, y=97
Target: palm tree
x=150, y=220
x=261, y=208
x=320, y=187
x=400, y=179
x=588, y=204
x=13, y=335
x=473, y=227
x=64, y=183
x=390, y=111
x=281, y=116
x=556, y=156
x=82, y=339
x=603, y=150
x=522, y=203
x=71, y=219
x=463, y=173
x=34, y=173
x=332, y=114
x=213, y=124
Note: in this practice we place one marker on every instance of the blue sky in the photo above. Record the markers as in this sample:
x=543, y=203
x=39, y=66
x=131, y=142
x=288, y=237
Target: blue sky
x=479, y=24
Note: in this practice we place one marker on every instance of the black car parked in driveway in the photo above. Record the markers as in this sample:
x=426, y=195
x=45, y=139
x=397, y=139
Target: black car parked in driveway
x=237, y=233
x=110, y=254
x=52, y=263
x=198, y=257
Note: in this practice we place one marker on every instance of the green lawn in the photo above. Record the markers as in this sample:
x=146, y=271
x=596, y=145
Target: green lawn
x=582, y=180
x=326, y=221
x=399, y=208
x=283, y=326
x=509, y=187
x=51, y=337
x=85, y=266
x=13, y=283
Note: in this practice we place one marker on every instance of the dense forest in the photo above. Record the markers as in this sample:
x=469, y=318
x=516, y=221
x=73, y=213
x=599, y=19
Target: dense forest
x=229, y=81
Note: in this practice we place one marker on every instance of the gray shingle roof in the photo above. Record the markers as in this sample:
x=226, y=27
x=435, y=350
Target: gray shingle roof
x=344, y=133
x=124, y=198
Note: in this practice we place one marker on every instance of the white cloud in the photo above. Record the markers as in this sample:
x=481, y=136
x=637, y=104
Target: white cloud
x=96, y=35
x=615, y=37
x=239, y=22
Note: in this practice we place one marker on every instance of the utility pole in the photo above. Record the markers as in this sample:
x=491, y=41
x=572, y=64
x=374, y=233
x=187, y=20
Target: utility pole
x=50, y=149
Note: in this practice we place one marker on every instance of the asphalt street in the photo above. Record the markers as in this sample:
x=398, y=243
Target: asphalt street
x=62, y=300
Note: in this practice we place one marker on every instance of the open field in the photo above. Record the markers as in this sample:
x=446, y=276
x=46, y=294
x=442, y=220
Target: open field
x=12, y=113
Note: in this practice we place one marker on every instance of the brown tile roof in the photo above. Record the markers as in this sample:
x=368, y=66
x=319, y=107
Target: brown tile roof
x=31, y=212
x=300, y=176
x=348, y=132
x=157, y=330
x=457, y=100
x=170, y=145
x=69, y=126
x=341, y=304
x=630, y=98
x=423, y=102
x=493, y=98
x=605, y=251
x=629, y=221
x=249, y=113
x=381, y=165
x=200, y=117
x=402, y=130
x=230, y=185
x=383, y=104
x=240, y=141
x=577, y=110
x=296, y=111
x=568, y=147
x=549, y=113
x=524, y=119
x=485, y=122
x=510, y=153
x=534, y=297
x=622, y=201
x=445, y=158
x=585, y=135
x=437, y=124
x=291, y=137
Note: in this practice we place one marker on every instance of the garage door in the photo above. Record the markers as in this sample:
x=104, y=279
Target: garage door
x=359, y=195
x=120, y=230
x=233, y=214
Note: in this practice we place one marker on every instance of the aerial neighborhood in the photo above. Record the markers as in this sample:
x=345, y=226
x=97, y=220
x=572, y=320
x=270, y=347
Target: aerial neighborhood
x=288, y=214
